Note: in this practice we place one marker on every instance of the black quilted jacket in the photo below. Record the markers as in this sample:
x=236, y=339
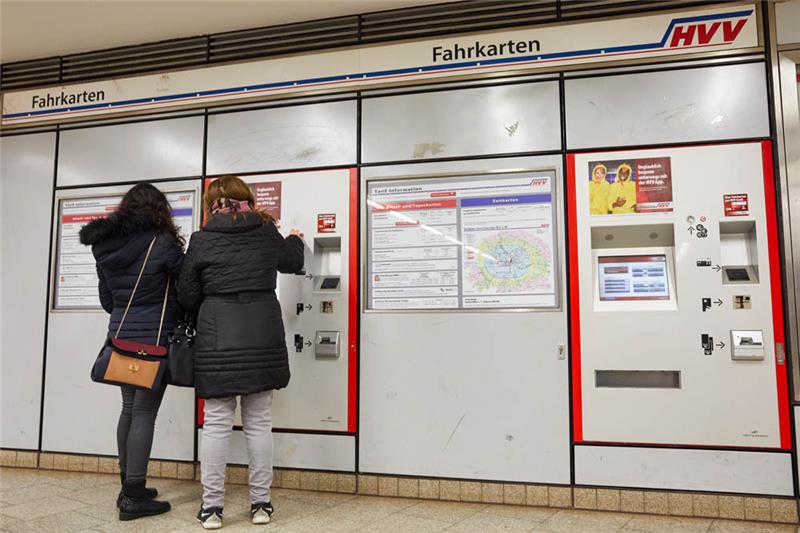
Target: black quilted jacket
x=229, y=277
x=119, y=244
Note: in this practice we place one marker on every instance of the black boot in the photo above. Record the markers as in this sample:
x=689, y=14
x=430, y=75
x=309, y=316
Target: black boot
x=148, y=492
x=135, y=503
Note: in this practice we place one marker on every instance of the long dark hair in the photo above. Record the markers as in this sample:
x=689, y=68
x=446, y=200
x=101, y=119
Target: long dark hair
x=145, y=200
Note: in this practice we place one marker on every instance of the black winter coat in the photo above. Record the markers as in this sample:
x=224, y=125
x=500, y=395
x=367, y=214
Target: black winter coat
x=230, y=275
x=119, y=244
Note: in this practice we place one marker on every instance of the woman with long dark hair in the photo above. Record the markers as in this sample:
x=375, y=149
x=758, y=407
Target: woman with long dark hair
x=119, y=244
x=240, y=347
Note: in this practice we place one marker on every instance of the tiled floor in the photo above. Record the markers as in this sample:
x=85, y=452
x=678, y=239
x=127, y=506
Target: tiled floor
x=43, y=501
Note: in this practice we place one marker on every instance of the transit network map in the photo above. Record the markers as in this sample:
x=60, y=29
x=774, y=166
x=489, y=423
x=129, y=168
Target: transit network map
x=467, y=242
x=507, y=263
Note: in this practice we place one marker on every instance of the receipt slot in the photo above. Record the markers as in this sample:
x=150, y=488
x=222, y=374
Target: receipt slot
x=677, y=282
x=318, y=304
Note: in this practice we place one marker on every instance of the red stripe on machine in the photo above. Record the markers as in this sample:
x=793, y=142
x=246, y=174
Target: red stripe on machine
x=352, y=329
x=574, y=303
x=777, y=297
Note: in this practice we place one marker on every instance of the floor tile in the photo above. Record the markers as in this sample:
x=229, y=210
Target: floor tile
x=12, y=525
x=377, y=505
x=482, y=523
x=404, y=523
x=37, y=491
x=58, y=523
x=93, y=495
x=78, y=481
x=326, y=499
x=106, y=509
x=317, y=522
x=152, y=524
x=288, y=511
x=532, y=514
x=568, y=521
x=16, y=478
x=56, y=501
x=736, y=526
x=451, y=512
x=32, y=510
x=667, y=524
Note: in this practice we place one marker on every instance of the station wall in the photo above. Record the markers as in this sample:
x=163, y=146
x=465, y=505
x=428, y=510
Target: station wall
x=478, y=394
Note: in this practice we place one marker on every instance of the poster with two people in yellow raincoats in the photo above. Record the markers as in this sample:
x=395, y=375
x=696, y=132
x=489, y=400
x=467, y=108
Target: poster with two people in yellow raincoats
x=630, y=186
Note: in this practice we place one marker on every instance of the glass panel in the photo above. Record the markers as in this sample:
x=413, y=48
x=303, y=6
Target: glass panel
x=283, y=138
x=466, y=122
x=131, y=152
x=703, y=104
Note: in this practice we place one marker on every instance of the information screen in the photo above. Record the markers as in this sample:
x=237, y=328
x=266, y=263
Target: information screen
x=76, y=274
x=462, y=242
x=633, y=277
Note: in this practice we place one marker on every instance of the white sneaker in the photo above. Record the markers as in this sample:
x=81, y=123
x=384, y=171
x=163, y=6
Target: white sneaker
x=261, y=513
x=210, y=518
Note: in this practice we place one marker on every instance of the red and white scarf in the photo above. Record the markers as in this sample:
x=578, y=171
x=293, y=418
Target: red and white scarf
x=226, y=206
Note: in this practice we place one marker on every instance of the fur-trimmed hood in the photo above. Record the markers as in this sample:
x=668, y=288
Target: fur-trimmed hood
x=118, y=224
x=118, y=240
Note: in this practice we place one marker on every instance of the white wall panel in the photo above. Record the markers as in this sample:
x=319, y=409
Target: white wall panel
x=283, y=138
x=465, y=122
x=677, y=469
x=26, y=192
x=80, y=416
x=476, y=395
x=787, y=18
x=702, y=104
x=140, y=151
x=299, y=450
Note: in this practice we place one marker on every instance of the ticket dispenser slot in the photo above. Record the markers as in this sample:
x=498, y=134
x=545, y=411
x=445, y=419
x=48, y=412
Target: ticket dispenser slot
x=738, y=252
x=328, y=263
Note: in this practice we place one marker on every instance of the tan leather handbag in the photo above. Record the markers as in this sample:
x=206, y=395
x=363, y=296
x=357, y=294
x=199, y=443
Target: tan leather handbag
x=122, y=362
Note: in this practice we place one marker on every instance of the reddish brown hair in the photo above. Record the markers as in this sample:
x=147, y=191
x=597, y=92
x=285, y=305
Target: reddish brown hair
x=234, y=188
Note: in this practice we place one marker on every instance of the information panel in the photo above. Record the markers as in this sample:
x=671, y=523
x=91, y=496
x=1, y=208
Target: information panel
x=76, y=276
x=462, y=242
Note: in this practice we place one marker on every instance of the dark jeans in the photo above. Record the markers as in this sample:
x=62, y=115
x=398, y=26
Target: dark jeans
x=135, y=430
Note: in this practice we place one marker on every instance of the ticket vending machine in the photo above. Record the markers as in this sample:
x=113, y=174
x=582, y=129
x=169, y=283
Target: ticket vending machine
x=314, y=417
x=677, y=330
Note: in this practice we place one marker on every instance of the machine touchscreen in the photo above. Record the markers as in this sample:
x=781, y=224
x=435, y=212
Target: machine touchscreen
x=633, y=277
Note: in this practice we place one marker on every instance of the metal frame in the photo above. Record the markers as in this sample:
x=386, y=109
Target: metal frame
x=558, y=247
x=55, y=231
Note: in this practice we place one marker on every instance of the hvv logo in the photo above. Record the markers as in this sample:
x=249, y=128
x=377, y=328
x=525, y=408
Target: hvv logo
x=705, y=33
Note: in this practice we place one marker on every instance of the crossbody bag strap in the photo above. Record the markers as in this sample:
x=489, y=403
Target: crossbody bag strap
x=130, y=300
x=163, y=309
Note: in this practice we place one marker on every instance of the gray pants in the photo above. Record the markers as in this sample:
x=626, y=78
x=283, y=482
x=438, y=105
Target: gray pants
x=135, y=430
x=217, y=426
